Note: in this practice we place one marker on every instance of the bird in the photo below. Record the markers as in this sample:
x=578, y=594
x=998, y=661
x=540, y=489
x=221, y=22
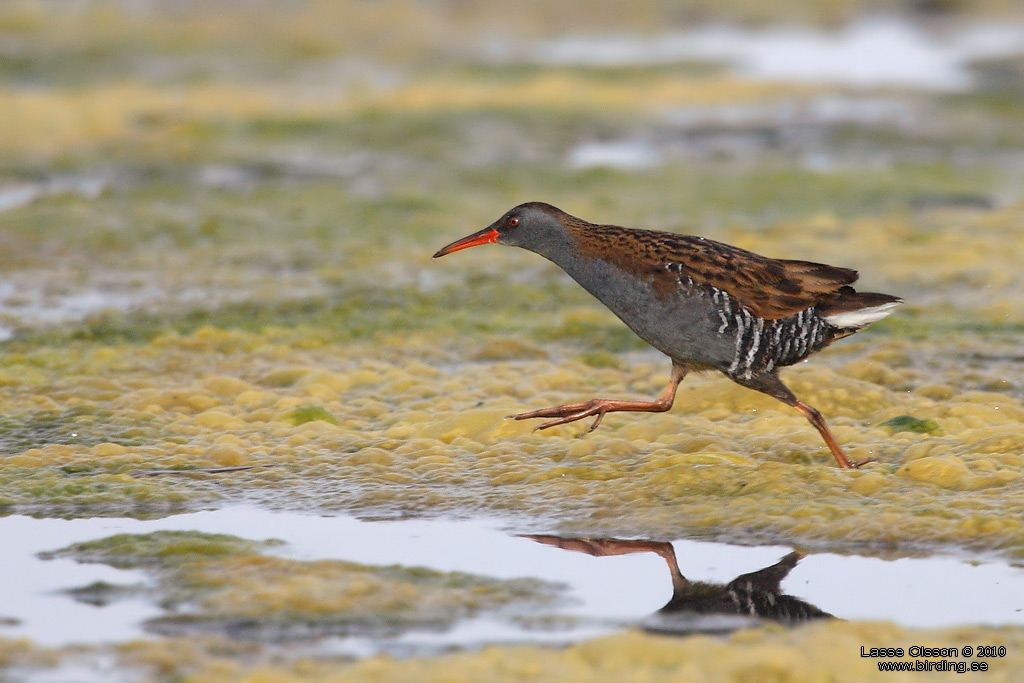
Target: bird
x=707, y=305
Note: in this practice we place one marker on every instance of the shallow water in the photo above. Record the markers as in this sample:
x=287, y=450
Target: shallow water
x=603, y=594
x=14, y=196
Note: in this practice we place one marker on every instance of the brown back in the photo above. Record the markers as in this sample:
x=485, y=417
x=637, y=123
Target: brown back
x=769, y=288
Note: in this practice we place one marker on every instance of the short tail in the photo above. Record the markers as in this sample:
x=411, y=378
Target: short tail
x=852, y=310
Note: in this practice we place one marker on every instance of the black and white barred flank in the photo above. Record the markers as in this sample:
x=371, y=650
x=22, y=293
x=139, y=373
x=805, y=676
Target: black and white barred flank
x=762, y=344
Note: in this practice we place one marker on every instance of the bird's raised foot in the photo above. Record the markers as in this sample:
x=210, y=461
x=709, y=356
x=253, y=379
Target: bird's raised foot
x=861, y=463
x=571, y=412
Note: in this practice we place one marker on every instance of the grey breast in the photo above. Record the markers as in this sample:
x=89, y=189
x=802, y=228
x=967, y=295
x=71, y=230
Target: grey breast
x=686, y=324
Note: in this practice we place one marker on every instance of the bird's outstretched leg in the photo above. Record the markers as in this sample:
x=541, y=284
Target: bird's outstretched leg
x=773, y=386
x=571, y=412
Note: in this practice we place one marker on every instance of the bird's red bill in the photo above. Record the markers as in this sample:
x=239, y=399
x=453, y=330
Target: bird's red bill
x=485, y=236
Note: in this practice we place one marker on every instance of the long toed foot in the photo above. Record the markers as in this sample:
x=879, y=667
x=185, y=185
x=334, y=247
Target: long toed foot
x=815, y=418
x=570, y=412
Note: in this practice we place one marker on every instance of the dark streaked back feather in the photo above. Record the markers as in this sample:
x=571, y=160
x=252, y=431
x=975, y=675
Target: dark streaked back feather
x=768, y=288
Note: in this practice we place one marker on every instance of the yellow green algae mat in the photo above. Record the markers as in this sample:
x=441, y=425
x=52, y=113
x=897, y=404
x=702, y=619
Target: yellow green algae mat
x=216, y=291
x=823, y=652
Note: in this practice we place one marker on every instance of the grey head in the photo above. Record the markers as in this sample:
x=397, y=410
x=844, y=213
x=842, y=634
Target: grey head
x=536, y=226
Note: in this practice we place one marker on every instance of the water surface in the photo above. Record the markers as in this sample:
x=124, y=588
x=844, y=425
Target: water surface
x=603, y=594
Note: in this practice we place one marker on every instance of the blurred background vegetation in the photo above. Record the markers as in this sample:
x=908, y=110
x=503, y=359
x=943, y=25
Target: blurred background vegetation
x=179, y=156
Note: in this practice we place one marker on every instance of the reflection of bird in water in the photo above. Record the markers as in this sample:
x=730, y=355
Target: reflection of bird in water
x=697, y=606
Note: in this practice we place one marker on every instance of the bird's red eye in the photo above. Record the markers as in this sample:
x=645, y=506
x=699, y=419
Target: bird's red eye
x=513, y=221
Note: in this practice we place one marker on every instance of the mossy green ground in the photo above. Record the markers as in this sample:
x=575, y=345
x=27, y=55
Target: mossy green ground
x=413, y=421
x=268, y=216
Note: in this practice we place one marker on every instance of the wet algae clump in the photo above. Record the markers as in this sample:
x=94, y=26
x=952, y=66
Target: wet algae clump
x=306, y=414
x=228, y=585
x=909, y=423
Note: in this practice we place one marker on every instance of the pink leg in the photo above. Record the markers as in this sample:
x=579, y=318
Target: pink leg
x=571, y=412
x=818, y=421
